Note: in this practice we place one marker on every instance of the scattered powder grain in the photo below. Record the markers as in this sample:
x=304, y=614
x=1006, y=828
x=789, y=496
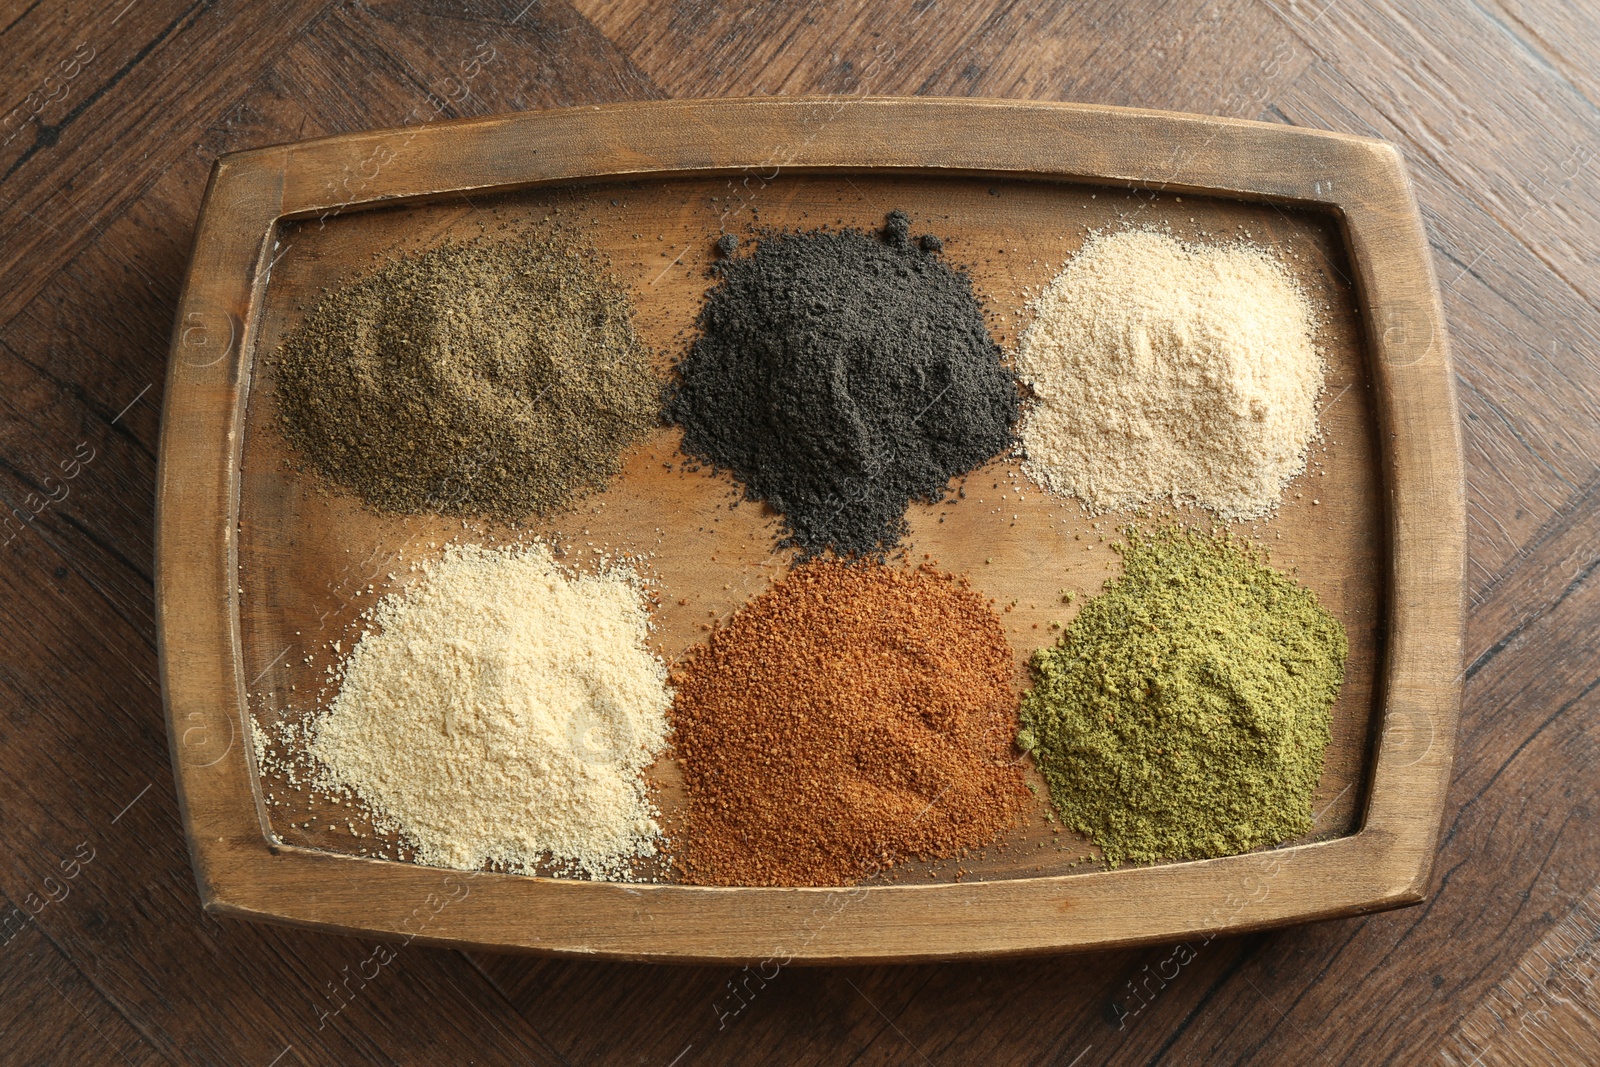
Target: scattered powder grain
x=493, y=378
x=502, y=712
x=1166, y=370
x=1184, y=712
x=840, y=377
x=849, y=718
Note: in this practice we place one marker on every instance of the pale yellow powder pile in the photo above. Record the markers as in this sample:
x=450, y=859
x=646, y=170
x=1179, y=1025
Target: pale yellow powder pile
x=502, y=712
x=1163, y=370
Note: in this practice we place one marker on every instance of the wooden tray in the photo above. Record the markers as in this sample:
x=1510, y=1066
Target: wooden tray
x=257, y=569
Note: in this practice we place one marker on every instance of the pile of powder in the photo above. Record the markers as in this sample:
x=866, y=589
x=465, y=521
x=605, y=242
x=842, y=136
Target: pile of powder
x=840, y=377
x=1166, y=370
x=851, y=717
x=502, y=712
x=494, y=378
x=1184, y=712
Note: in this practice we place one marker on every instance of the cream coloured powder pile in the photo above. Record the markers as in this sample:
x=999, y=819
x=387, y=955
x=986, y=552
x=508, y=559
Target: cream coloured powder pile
x=1175, y=371
x=502, y=712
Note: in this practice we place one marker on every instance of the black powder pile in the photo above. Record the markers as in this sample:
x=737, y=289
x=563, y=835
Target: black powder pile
x=494, y=378
x=840, y=377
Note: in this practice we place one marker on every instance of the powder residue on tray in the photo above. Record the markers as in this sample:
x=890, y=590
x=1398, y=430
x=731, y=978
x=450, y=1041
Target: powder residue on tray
x=1168, y=370
x=492, y=378
x=502, y=711
x=848, y=718
x=1185, y=710
x=840, y=377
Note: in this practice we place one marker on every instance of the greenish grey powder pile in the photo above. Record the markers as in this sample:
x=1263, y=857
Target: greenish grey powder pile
x=493, y=378
x=1184, y=712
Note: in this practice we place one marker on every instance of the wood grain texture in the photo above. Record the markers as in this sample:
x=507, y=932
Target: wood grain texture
x=50, y=1013
x=91, y=279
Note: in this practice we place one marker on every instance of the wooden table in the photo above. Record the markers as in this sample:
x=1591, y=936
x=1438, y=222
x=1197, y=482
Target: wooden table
x=116, y=114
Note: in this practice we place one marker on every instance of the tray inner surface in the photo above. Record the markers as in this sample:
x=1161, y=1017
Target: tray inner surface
x=308, y=555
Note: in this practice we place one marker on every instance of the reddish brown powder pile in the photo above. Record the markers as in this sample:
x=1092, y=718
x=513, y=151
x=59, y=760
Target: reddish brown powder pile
x=848, y=718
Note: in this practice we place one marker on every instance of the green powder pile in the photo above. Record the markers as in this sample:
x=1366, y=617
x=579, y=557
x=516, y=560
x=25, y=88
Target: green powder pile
x=493, y=378
x=1184, y=712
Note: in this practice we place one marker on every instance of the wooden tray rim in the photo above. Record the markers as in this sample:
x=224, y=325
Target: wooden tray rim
x=241, y=872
